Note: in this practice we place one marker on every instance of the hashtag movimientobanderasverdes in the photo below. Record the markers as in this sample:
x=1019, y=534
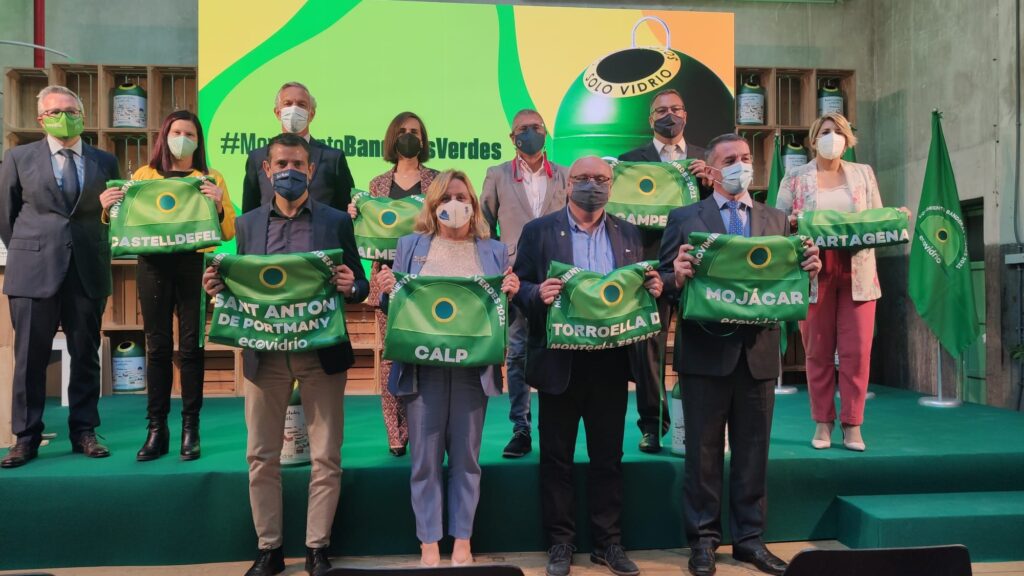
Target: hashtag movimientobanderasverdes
x=229, y=143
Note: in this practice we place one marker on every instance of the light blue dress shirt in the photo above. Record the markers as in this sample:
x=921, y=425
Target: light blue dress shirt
x=591, y=251
x=57, y=161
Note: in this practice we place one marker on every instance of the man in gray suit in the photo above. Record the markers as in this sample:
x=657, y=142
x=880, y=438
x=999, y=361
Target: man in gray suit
x=58, y=269
x=514, y=193
x=726, y=372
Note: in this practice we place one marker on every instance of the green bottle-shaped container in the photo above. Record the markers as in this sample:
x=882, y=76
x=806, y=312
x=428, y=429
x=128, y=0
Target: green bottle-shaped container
x=128, y=364
x=128, y=106
x=678, y=429
x=793, y=154
x=750, y=102
x=830, y=97
x=295, y=449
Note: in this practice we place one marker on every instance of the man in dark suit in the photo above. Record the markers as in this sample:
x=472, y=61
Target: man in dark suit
x=58, y=269
x=668, y=122
x=331, y=182
x=295, y=222
x=726, y=372
x=572, y=384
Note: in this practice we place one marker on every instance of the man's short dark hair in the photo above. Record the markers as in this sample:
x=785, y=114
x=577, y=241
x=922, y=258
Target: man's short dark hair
x=288, y=140
x=718, y=140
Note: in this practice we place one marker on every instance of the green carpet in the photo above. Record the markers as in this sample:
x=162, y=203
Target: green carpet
x=66, y=510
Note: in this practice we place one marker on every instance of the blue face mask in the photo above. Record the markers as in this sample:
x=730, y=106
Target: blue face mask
x=289, y=184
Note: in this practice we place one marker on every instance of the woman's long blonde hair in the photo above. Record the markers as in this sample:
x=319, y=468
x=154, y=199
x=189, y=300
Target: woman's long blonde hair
x=426, y=222
x=842, y=126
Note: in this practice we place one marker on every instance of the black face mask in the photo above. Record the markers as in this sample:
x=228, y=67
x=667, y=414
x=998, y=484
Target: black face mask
x=408, y=145
x=290, y=184
x=669, y=126
x=530, y=141
x=589, y=195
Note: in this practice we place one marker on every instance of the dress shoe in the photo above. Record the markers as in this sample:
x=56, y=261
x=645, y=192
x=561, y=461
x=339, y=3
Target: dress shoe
x=268, y=563
x=520, y=445
x=822, y=435
x=88, y=445
x=19, y=455
x=157, y=440
x=318, y=562
x=852, y=438
x=760, y=557
x=559, y=560
x=614, y=557
x=650, y=443
x=190, y=437
x=702, y=561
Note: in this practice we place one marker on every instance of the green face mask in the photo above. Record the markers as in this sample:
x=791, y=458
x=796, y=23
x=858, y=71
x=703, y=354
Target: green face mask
x=63, y=125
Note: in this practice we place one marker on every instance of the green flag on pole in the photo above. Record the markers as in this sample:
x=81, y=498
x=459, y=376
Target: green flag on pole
x=381, y=222
x=643, y=193
x=162, y=216
x=442, y=321
x=940, y=272
x=778, y=171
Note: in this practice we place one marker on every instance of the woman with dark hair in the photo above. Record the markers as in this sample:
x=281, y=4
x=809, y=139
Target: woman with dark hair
x=405, y=146
x=171, y=282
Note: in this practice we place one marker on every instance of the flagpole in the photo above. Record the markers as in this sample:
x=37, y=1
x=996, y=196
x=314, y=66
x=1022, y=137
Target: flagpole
x=938, y=401
x=781, y=390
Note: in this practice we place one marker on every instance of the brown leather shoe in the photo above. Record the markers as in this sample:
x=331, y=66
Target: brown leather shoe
x=88, y=445
x=19, y=455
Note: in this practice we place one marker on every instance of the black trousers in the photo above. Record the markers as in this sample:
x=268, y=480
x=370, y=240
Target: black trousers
x=651, y=399
x=708, y=404
x=597, y=393
x=35, y=324
x=169, y=283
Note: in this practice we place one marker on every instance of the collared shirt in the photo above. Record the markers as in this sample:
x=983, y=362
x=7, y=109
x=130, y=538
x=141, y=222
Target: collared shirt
x=286, y=235
x=591, y=250
x=535, y=183
x=744, y=208
x=57, y=161
x=665, y=156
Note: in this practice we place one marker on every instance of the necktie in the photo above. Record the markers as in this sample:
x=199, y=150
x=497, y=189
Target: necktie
x=70, y=176
x=735, y=224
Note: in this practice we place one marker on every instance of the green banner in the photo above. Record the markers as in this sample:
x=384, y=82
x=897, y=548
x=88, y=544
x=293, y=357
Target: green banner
x=594, y=312
x=161, y=217
x=442, y=321
x=280, y=302
x=643, y=193
x=381, y=222
x=831, y=229
x=741, y=280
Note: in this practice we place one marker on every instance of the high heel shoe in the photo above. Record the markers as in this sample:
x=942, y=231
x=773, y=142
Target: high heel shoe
x=460, y=559
x=430, y=555
x=855, y=445
x=822, y=436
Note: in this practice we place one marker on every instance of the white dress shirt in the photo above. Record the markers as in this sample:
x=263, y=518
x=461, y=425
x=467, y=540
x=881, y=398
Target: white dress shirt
x=535, y=183
x=671, y=152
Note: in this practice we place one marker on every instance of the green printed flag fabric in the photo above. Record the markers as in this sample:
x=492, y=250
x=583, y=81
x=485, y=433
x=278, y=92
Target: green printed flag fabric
x=643, y=193
x=777, y=173
x=381, y=222
x=940, y=269
x=161, y=217
x=279, y=302
x=831, y=229
x=594, y=311
x=741, y=280
x=442, y=321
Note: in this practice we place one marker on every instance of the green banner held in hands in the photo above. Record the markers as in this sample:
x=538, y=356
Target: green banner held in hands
x=381, y=222
x=595, y=312
x=741, y=280
x=831, y=229
x=279, y=302
x=643, y=193
x=442, y=321
x=162, y=217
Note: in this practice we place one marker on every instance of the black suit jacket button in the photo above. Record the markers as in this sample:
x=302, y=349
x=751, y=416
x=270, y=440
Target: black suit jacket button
x=68, y=245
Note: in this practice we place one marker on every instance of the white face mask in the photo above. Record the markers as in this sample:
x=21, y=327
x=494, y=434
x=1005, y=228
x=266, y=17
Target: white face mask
x=181, y=146
x=831, y=146
x=737, y=177
x=454, y=213
x=294, y=119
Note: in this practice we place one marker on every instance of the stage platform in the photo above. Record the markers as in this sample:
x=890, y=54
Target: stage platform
x=66, y=510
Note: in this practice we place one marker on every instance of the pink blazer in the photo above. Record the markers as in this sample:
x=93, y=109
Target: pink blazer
x=799, y=192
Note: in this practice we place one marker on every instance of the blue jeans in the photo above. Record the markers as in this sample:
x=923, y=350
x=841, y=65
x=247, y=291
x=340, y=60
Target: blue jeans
x=515, y=364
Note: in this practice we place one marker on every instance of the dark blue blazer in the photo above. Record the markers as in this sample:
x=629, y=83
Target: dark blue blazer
x=42, y=228
x=331, y=229
x=331, y=183
x=543, y=240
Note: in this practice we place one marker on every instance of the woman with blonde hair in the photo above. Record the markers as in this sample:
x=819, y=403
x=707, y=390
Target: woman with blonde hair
x=843, y=317
x=446, y=406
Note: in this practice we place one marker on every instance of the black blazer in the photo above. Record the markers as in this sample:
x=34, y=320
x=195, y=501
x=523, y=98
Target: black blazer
x=649, y=153
x=42, y=229
x=331, y=183
x=543, y=240
x=712, y=349
x=331, y=229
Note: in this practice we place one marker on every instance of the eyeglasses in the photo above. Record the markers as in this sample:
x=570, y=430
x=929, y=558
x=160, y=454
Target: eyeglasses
x=581, y=178
x=662, y=110
x=56, y=111
x=539, y=128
